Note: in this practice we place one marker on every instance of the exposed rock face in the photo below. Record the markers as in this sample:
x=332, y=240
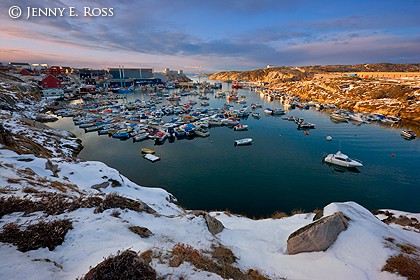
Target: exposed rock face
x=318, y=236
x=127, y=265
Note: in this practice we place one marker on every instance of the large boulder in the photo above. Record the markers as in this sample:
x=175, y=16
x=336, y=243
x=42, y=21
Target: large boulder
x=214, y=225
x=317, y=236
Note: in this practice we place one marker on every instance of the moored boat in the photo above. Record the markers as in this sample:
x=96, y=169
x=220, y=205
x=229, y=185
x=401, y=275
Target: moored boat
x=151, y=157
x=342, y=160
x=408, y=134
x=240, y=127
x=243, y=142
x=147, y=151
x=338, y=117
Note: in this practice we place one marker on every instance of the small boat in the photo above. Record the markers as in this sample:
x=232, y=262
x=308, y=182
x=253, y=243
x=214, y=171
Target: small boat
x=306, y=126
x=202, y=132
x=278, y=111
x=256, y=115
x=342, y=160
x=408, y=134
x=121, y=135
x=240, y=127
x=338, y=117
x=328, y=138
x=151, y=157
x=147, y=151
x=243, y=142
x=268, y=111
x=140, y=136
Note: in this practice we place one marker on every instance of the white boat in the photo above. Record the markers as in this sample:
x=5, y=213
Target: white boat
x=408, y=134
x=141, y=136
x=151, y=157
x=256, y=115
x=342, y=160
x=242, y=142
x=268, y=111
x=338, y=117
x=230, y=121
x=240, y=127
x=357, y=117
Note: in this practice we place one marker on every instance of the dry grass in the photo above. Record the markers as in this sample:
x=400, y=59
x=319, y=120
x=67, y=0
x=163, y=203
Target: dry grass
x=125, y=265
x=278, y=215
x=297, y=211
x=223, y=254
x=55, y=203
x=407, y=249
x=404, y=265
x=35, y=236
x=222, y=266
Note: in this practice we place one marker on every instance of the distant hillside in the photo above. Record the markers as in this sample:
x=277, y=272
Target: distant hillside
x=289, y=73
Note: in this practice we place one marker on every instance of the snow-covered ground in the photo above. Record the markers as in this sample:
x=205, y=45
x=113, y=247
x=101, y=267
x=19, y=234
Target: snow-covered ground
x=360, y=252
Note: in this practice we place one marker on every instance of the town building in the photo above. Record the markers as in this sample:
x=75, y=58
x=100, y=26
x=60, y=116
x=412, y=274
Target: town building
x=20, y=65
x=51, y=87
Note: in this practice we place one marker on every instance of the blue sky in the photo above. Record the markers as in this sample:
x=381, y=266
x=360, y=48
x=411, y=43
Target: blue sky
x=216, y=35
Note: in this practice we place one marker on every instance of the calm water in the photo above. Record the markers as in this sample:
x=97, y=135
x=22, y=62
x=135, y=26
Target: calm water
x=281, y=171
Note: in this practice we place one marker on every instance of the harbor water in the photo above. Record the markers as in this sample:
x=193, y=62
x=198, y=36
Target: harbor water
x=281, y=171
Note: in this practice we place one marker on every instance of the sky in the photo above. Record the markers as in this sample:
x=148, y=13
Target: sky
x=211, y=35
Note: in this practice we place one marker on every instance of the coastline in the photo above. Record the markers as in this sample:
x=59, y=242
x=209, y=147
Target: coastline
x=105, y=213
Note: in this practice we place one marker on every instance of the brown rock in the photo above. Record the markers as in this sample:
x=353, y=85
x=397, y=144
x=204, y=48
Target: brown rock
x=100, y=186
x=318, y=236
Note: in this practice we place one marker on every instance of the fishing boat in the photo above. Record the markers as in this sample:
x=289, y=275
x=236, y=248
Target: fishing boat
x=147, y=151
x=240, y=127
x=243, y=142
x=342, y=160
x=408, y=134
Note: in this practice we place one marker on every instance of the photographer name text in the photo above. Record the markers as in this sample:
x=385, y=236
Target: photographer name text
x=34, y=12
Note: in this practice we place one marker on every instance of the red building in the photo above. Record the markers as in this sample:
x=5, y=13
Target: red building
x=25, y=72
x=51, y=82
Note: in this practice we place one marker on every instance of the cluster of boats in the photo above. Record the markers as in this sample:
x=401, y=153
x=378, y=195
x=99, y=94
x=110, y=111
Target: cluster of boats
x=345, y=116
x=141, y=120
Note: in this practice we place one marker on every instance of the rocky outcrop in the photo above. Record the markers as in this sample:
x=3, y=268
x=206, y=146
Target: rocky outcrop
x=214, y=225
x=317, y=236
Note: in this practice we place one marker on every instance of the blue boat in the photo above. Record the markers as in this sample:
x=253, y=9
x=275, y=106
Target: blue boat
x=121, y=135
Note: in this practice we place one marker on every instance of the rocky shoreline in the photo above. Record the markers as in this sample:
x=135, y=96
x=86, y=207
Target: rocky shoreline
x=388, y=93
